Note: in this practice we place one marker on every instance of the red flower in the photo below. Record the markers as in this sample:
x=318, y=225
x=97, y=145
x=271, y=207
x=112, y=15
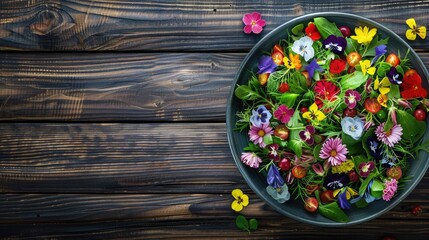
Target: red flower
x=337, y=66
x=312, y=32
x=326, y=90
x=411, y=87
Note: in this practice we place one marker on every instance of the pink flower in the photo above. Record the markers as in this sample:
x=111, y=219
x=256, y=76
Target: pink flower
x=257, y=133
x=251, y=159
x=334, y=150
x=390, y=137
x=254, y=23
x=390, y=187
x=283, y=114
x=351, y=98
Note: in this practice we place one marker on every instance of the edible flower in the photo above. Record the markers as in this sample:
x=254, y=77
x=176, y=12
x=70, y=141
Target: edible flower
x=390, y=188
x=280, y=194
x=382, y=99
x=336, y=44
x=266, y=65
x=336, y=66
x=379, y=51
x=257, y=134
x=292, y=62
x=365, y=168
x=342, y=199
x=335, y=181
x=344, y=167
x=352, y=127
x=389, y=137
x=307, y=134
x=351, y=97
x=253, y=23
x=364, y=35
x=394, y=76
x=366, y=67
x=304, y=47
x=382, y=86
x=260, y=115
x=312, y=67
x=411, y=87
x=283, y=113
x=241, y=200
x=274, y=179
x=250, y=159
x=326, y=90
x=411, y=33
x=312, y=32
x=334, y=150
x=314, y=113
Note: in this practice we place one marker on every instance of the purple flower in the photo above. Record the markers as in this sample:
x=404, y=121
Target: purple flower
x=251, y=159
x=390, y=187
x=257, y=134
x=374, y=147
x=312, y=67
x=390, y=137
x=307, y=134
x=261, y=115
x=336, y=44
x=274, y=179
x=266, y=64
x=334, y=150
x=394, y=76
x=342, y=200
x=336, y=181
x=283, y=114
x=351, y=98
x=273, y=152
x=379, y=51
x=365, y=168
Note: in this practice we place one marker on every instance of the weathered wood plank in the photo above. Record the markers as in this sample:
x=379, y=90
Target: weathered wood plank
x=171, y=25
x=116, y=158
x=108, y=87
x=177, y=215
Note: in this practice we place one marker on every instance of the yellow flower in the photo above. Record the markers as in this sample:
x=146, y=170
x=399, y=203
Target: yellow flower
x=314, y=113
x=366, y=67
x=382, y=99
x=364, y=36
x=411, y=33
x=344, y=167
x=292, y=61
x=350, y=192
x=383, y=86
x=241, y=200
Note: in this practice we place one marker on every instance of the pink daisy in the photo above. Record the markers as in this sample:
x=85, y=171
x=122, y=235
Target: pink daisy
x=254, y=23
x=390, y=137
x=390, y=187
x=257, y=134
x=334, y=150
x=251, y=159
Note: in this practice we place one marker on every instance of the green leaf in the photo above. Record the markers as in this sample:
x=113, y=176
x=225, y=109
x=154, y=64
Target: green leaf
x=361, y=203
x=352, y=46
x=333, y=212
x=413, y=130
x=280, y=142
x=245, y=93
x=289, y=99
x=326, y=28
x=394, y=91
x=251, y=148
x=353, y=145
x=382, y=69
x=365, y=137
x=316, y=152
x=268, y=139
x=242, y=223
x=377, y=189
x=253, y=224
x=400, y=70
x=297, y=83
x=294, y=121
x=353, y=81
x=296, y=147
x=274, y=80
x=298, y=29
x=365, y=183
x=370, y=52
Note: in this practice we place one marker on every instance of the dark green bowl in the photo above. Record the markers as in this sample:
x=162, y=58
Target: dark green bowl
x=238, y=140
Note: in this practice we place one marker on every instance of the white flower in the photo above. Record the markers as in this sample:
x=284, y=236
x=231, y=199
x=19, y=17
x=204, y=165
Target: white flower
x=304, y=47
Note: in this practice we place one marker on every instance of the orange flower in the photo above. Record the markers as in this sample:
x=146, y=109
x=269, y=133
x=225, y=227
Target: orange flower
x=292, y=61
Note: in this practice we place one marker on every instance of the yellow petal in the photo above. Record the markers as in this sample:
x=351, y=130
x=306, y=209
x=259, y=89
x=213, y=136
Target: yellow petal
x=382, y=99
x=320, y=116
x=307, y=115
x=313, y=108
x=371, y=71
x=372, y=33
x=421, y=31
x=411, y=22
x=236, y=193
x=376, y=83
x=245, y=200
x=384, y=90
x=236, y=206
x=385, y=82
x=336, y=191
x=352, y=191
x=410, y=35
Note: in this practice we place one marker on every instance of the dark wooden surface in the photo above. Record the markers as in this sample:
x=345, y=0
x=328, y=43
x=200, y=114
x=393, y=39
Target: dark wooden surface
x=112, y=119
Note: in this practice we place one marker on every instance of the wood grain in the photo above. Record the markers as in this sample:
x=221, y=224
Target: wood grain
x=97, y=158
x=55, y=25
x=112, y=87
x=177, y=216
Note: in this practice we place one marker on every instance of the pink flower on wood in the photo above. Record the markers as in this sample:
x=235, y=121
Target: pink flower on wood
x=254, y=23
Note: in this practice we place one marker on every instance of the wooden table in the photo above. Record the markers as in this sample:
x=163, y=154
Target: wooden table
x=113, y=119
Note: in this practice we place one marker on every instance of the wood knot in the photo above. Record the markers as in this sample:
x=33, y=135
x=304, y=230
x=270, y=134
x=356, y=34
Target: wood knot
x=51, y=21
x=298, y=10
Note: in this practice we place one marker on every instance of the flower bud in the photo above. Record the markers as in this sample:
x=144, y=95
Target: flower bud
x=318, y=169
x=289, y=178
x=404, y=103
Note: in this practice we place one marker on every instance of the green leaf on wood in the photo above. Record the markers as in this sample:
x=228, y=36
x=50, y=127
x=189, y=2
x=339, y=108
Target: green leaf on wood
x=253, y=224
x=242, y=223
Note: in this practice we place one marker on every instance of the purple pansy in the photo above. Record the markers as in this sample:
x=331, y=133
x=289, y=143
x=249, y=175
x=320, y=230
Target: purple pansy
x=351, y=98
x=307, y=134
x=261, y=115
x=266, y=65
x=394, y=76
x=336, y=44
x=374, y=147
x=312, y=67
x=274, y=179
x=273, y=152
x=336, y=181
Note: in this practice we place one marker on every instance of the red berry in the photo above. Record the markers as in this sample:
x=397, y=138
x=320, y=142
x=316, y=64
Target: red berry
x=417, y=210
x=345, y=31
x=420, y=114
x=303, y=109
x=353, y=176
x=394, y=172
x=393, y=60
x=284, y=87
x=349, y=112
x=299, y=172
x=285, y=164
x=311, y=204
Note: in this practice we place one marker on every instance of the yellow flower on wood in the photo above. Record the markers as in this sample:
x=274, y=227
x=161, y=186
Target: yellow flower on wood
x=364, y=35
x=314, y=113
x=241, y=200
x=411, y=33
